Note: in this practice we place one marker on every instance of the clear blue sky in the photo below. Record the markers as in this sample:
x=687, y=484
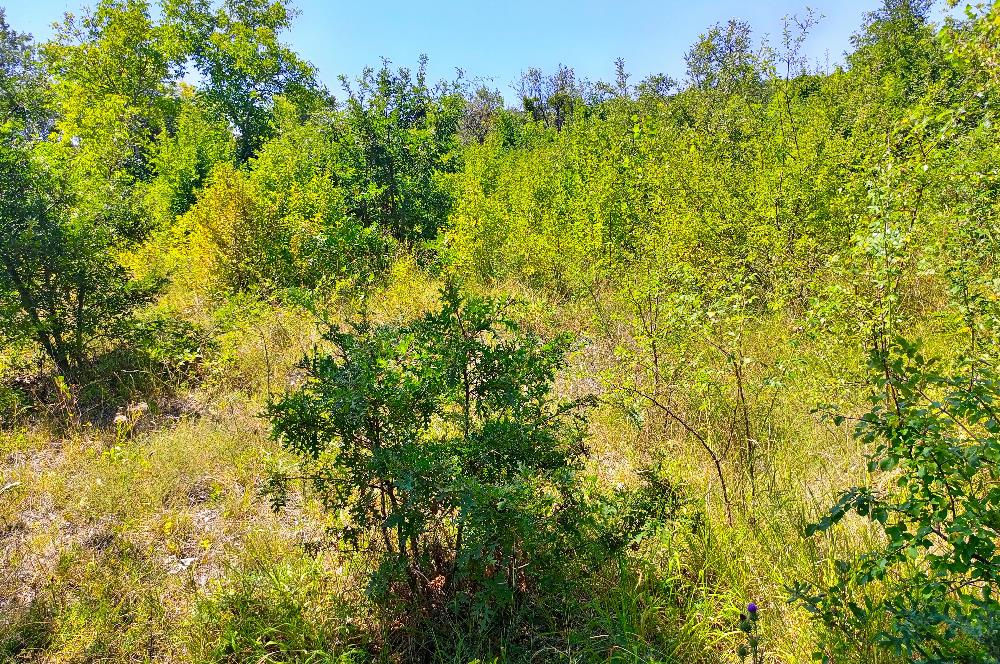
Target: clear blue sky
x=499, y=40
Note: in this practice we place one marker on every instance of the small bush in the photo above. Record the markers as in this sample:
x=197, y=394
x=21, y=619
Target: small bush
x=439, y=447
x=936, y=435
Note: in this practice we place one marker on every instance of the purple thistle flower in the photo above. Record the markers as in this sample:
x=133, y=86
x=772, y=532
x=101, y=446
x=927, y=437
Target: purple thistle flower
x=751, y=608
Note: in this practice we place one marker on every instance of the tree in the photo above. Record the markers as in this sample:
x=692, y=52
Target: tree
x=25, y=103
x=656, y=86
x=552, y=98
x=480, y=110
x=183, y=161
x=723, y=58
x=244, y=67
x=896, y=49
x=61, y=285
x=400, y=135
x=113, y=70
x=283, y=220
x=441, y=442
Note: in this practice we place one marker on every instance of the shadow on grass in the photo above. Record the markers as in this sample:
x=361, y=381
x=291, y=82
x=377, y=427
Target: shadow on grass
x=25, y=631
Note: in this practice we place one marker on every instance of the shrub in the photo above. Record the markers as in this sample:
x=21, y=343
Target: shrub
x=62, y=286
x=936, y=435
x=283, y=224
x=440, y=447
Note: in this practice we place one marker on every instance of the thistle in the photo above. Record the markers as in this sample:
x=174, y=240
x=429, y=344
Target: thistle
x=750, y=628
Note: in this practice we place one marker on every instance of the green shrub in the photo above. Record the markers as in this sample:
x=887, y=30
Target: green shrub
x=285, y=224
x=440, y=446
x=62, y=286
x=936, y=435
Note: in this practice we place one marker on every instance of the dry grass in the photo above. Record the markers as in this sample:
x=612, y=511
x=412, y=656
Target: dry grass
x=151, y=542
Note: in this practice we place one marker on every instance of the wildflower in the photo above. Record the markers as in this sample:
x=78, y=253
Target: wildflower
x=752, y=610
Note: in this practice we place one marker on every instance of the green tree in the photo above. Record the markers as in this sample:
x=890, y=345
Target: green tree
x=481, y=108
x=244, y=66
x=551, y=98
x=723, y=58
x=113, y=69
x=441, y=442
x=61, y=284
x=25, y=101
x=402, y=136
x=183, y=160
x=284, y=220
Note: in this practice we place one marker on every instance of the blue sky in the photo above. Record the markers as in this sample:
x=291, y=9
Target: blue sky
x=499, y=40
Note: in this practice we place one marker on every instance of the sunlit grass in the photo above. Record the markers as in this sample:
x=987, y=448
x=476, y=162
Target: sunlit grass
x=151, y=541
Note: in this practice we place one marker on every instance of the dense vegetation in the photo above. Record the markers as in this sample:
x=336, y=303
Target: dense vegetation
x=675, y=371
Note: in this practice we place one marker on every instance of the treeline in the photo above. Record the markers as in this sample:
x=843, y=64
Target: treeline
x=739, y=244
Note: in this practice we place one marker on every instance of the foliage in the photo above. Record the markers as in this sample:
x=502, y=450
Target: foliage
x=184, y=161
x=112, y=69
x=26, y=103
x=76, y=200
x=481, y=109
x=244, y=66
x=175, y=185
x=400, y=136
x=439, y=446
x=286, y=222
x=550, y=98
x=61, y=287
x=723, y=58
x=327, y=200
x=935, y=439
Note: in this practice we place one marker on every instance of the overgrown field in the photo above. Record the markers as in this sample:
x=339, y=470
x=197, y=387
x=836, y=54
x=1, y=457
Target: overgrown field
x=698, y=371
